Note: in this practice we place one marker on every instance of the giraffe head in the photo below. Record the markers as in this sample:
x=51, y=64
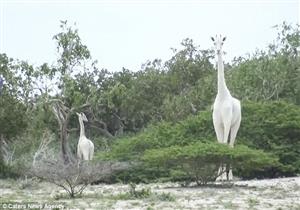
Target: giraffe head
x=218, y=43
x=82, y=116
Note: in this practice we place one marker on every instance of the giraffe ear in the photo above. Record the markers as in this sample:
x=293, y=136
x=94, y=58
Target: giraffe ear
x=224, y=38
x=83, y=116
x=77, y=114
x=212, y=38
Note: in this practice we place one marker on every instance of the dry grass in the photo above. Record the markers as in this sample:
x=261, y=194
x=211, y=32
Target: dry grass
x=257, y=194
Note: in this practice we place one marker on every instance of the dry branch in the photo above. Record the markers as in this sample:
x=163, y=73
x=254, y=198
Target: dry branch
x=74, y=176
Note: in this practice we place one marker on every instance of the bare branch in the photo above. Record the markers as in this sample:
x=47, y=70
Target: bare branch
x=73, y=130
x=74, y=176
x=100, y=122
x=60, y=103
x=43, y=147
x=105, y=132
x=7, y=153
x=59, y=116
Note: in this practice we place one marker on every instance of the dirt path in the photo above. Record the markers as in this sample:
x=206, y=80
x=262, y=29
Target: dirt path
x=256, y=194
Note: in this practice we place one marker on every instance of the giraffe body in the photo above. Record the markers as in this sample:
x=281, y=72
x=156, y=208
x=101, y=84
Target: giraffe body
x=226, y=110
x=85, y=147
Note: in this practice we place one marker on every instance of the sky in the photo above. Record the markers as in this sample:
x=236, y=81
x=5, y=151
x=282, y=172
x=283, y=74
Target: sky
x=127, y=33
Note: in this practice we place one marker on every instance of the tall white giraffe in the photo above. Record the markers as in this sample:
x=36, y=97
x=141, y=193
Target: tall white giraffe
x=85, y=147
x=226, y=109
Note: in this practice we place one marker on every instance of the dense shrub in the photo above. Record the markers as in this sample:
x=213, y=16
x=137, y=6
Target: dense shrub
x=165, y=134
x=200, y=161
x=273, y=127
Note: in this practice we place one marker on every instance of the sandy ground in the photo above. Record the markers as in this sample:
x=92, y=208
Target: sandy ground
x=276, y=194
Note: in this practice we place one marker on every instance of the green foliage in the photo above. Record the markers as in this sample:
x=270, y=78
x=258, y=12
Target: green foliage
x=72, y=51
x=272, y=127
x=14, y=98
x=165, y=134
x=200, y=161
x=158, y=92
x=188, y=66
x=270, y=74
x=156, y=136
x=161, y=106
x=13, y=117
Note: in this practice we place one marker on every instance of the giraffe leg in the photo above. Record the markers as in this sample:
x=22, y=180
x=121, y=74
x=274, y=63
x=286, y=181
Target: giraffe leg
x=229, y=174
x=225, y=139
x=78, y=152
x=219, y=131
x=227, y=116
x=222, y=173
x=233, y=132
x=226, y=133
x=91, y=154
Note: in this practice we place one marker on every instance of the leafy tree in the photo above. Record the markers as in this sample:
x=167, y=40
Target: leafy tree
x=72, y=53
x=17, y=96
x=272, y=74
x=188, y=66
x=16, y=102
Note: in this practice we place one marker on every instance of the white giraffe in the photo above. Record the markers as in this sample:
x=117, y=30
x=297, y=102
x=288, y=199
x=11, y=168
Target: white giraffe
x=85, y=147
x=226, y=109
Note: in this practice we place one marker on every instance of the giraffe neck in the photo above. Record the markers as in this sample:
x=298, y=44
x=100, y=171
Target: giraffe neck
x=222, y=88
x=82, y=132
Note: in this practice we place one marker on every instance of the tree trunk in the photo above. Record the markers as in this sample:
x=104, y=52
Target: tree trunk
x=63, y=114
x=64, y=143
x=65, y=148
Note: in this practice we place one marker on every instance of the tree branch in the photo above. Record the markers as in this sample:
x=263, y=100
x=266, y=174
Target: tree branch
x=100, y=122
x=80, y=107
x=103, y=131
x=73, y=130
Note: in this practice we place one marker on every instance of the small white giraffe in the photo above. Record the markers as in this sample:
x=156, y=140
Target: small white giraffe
x=85, y=147
x=226, y=109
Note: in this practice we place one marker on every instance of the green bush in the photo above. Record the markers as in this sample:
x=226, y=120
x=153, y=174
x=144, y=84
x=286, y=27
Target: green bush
x=272, y=127
x=200, y=161
x=165, y=134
